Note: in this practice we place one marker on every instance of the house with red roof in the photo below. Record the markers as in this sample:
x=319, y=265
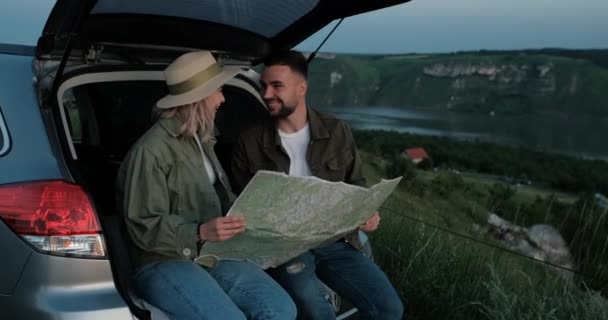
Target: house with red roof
x=416, y=155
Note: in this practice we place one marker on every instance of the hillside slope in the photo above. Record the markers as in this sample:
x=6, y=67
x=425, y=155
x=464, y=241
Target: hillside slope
x=515, y=83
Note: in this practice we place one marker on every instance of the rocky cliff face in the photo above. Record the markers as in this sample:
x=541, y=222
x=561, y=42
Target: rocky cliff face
x=497, y=84
x=500, y=74
x=491, y=71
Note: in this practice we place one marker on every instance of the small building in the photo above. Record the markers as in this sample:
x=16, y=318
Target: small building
x=416, y=155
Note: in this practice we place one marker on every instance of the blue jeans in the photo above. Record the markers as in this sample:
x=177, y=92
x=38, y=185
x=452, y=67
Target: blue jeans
x=349, y=273
x=231, y=290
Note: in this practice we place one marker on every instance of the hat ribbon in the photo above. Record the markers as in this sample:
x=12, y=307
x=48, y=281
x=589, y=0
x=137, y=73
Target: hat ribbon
x=196, y=80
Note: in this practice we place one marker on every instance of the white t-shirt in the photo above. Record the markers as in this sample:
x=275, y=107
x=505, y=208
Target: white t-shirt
x=209, y=168
x=296, y=145
x=208, y=165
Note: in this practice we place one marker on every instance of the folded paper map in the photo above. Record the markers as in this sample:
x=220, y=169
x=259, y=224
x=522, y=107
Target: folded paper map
x=287, y=216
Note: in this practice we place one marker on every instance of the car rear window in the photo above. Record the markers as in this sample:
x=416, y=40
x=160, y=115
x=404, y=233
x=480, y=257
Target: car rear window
x=4, y=137
x=264, y=17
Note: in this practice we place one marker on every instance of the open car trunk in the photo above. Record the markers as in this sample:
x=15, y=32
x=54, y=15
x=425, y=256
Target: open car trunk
x=99, y=65
x=103, y=111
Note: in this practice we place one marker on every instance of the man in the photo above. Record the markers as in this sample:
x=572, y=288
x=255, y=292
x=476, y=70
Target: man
x=303, y=142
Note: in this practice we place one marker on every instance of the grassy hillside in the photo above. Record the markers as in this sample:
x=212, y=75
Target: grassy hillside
x=510, y=82
x=447, y=269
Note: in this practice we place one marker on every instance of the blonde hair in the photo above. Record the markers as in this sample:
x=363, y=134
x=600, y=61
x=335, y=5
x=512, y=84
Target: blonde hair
x=195, y=117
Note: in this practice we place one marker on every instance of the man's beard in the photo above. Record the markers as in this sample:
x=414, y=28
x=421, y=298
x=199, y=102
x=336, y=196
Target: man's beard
x=284, y=110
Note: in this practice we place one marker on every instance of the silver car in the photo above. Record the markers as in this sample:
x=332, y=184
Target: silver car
x=71, y=107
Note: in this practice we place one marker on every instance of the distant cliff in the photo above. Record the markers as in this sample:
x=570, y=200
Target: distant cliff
x=494, y=82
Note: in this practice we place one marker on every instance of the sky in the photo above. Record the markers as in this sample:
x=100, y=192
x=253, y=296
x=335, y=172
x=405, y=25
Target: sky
x=421, y=26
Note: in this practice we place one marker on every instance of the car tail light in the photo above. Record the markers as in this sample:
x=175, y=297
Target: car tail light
x=54, y=216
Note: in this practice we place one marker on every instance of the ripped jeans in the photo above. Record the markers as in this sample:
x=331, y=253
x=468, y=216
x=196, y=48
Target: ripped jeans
x=349, y=273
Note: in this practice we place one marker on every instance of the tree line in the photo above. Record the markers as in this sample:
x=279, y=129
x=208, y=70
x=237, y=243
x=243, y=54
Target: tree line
x=561, y=172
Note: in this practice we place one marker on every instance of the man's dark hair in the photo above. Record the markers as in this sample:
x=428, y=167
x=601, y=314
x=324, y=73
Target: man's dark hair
x=293, y=59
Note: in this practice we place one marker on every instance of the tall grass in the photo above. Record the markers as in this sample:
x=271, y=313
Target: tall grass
x=443, y=276
x=447, y=270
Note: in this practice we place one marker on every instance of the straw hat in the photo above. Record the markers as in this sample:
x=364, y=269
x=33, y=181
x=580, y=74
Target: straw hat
x=193, y=77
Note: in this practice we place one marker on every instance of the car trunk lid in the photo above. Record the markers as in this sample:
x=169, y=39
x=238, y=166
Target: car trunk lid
x=251, y=29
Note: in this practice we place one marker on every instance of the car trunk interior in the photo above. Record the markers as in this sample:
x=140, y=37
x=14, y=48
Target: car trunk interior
x=105, y=119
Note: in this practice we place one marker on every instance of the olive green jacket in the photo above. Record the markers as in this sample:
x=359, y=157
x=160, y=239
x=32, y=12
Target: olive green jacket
x=332, y=154
x=164, y=192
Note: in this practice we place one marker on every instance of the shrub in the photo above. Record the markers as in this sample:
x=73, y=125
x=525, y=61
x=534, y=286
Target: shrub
x=400, y=167
x=446, y=182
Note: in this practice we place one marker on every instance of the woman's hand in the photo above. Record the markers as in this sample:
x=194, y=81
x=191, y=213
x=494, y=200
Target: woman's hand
x=372, y=223
x=222, y=228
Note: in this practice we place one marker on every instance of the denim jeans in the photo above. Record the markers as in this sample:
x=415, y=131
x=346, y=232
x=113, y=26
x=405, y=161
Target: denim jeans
x=231, y=290
x=349, y=273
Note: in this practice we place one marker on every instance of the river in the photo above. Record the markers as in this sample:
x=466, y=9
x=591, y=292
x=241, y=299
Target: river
x=581, y=137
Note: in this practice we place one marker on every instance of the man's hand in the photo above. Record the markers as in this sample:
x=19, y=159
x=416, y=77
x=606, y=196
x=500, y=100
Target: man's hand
x=372, y=223
x=223, y=228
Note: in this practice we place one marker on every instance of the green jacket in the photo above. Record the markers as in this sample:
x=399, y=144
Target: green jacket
x=164, y=193
x=332, y=154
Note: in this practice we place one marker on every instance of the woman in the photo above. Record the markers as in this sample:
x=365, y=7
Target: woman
x=174, y=193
